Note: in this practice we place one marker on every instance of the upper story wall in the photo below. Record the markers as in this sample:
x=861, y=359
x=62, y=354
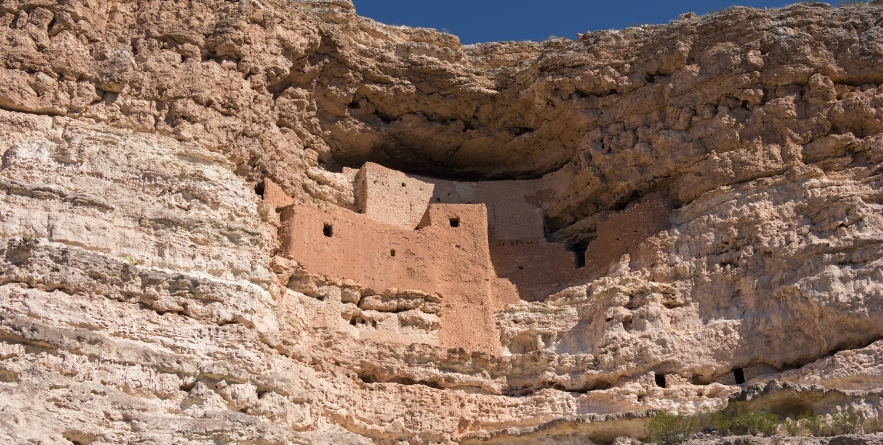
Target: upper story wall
x=515, y=208
x=391, y=197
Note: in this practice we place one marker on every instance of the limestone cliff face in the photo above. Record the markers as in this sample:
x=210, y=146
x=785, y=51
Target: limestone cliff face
x=142, y=294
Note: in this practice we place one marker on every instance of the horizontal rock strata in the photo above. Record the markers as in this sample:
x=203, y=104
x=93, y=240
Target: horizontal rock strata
x=725, y=184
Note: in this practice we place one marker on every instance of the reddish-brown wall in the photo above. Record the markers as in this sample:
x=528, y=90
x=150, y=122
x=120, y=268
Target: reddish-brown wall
x=391, y=197
x=274, y=196
x=451, y=261
x=536, y=267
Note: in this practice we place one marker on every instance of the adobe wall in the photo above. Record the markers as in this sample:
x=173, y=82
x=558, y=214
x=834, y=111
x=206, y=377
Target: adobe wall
x=515, y=208
x=537, y=268
x=391, y=197
x=274, y=196
x=518, y=247
x=437, y=257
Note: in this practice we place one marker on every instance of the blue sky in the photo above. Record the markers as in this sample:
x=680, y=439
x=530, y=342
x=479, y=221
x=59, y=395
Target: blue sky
x=496, y=20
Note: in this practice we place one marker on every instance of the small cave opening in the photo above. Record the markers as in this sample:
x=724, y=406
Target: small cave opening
x=520, y=131
x=259, y=189
x=328, y=230
x=660, y=379
x=627, y=325
x=362, y=322
x=700, y=380
x=366, y=377
x=739, y=374
x=392, y=252
x=455, y=222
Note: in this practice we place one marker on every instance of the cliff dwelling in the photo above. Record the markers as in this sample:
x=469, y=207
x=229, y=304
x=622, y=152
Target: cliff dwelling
x=477, y=245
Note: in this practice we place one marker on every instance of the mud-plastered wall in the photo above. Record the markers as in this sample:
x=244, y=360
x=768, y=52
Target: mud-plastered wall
x=446, y=255
x=390, y=196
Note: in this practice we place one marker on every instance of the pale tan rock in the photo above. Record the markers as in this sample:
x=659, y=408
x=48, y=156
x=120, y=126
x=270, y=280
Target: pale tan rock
x=144, y=299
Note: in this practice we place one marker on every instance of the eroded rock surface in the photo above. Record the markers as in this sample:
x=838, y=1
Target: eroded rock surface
x=725, y=186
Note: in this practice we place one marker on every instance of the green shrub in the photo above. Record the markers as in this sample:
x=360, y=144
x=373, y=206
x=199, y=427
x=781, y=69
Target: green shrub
x=793, y=426
x=669, y=429
x=817, y=425
x=848, y=421
x=28, y=241
x=733, y=420
x=705, y=420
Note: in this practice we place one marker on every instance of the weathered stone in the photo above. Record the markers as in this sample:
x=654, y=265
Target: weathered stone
x=721, y=174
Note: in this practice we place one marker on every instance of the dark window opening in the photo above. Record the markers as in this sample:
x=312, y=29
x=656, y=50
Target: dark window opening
x=660, y=380
x=579, y=254
x=520, y=267
x=259, y=189
x=392, y=252
x=579, y=258
x=455, y=222
x=739, y=374
x=327, y=230
x=403, y=184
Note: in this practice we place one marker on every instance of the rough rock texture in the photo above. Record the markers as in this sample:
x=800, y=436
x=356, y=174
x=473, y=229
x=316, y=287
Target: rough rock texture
x=142, y=298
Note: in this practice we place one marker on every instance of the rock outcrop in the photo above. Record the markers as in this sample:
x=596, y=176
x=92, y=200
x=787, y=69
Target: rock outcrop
x=724, y=181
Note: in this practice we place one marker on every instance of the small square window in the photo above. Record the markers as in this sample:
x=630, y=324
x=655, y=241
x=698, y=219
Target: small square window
x=327, y=230
x=455, y=222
